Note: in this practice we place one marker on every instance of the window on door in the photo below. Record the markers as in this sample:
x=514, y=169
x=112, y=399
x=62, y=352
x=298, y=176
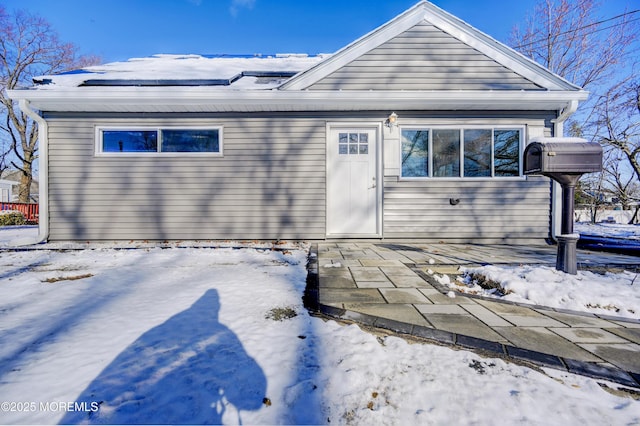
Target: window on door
x=353, y=143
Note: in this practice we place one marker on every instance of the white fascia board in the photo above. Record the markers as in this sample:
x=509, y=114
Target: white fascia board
x=182, y=99
x=359, y=47
x=425, y=11
x=496, y=50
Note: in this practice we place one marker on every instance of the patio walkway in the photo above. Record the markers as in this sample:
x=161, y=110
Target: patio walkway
x=385, y=285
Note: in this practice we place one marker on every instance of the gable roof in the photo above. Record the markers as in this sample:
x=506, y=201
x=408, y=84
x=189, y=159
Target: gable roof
x=228, y=90
x=425, y=12
x=424, y=58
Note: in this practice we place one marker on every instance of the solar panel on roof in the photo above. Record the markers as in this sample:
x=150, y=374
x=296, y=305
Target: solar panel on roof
x=187, y=82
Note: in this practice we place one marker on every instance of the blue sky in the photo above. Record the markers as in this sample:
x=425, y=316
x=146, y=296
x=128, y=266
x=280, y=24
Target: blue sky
x=121, y=29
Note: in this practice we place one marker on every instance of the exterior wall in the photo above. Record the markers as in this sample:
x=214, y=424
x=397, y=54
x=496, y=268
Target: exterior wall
x=424, y=58
x=489, y=209
x=270, y=183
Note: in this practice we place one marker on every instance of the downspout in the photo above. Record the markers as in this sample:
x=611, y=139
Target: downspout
x=556, y=189
x=43, y=175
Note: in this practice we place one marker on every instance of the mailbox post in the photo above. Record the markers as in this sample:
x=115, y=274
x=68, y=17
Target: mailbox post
x=564, y=160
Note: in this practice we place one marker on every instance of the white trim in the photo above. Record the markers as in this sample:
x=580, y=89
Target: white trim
x=357, y=48
x=455, y=27
x=496, y=50
x=562, y=117
x=158, y=153
x=377, y=128
x=177, y=99
x=522, y=128
x=461, y=179
x=7, y=185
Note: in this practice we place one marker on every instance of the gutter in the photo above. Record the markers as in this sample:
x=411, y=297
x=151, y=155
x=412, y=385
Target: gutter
x=43, y=176
x=556, y=189
x=562, y=117
x=212, y=99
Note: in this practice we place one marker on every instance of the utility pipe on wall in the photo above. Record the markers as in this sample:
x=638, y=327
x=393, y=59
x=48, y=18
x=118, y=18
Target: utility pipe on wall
x=43, y=175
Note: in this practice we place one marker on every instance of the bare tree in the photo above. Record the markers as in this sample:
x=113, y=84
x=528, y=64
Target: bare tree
x=28, y=47
x=623, y=185
x=574, y=41
x=591, y=194
x=5, y=149
x=618, y=121
x=570, y=39
x=616, y=125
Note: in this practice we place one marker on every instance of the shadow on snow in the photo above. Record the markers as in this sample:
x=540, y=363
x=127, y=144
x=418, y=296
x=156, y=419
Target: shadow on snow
x=190, y=369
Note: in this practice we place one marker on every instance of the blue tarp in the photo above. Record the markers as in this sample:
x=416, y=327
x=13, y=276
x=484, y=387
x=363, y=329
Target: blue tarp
x=610, y=244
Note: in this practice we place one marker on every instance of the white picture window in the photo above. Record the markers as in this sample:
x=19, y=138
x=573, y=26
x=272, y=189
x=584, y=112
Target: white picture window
x=449, y=152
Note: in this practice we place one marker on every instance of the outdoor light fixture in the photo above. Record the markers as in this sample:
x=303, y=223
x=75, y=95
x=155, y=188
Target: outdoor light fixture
x=392, y=120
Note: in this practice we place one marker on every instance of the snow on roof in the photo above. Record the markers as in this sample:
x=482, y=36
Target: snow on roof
x=235, y=72
x=558, y=139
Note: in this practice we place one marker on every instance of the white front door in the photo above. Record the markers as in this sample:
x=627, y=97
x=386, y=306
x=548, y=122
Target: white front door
x=353, y=185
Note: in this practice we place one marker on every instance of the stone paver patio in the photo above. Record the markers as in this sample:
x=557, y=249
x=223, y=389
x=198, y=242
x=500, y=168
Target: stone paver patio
x=385, y=285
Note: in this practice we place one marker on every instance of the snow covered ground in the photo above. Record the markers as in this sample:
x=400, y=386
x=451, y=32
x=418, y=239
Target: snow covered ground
x=616, y=294
x=614, y=230
x=619, y=216
x=200, y=335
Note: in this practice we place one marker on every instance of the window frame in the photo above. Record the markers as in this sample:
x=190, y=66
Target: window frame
x=99, y=143
x=460, y=128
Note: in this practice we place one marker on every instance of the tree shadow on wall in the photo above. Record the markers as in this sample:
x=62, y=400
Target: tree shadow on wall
x=188, y=370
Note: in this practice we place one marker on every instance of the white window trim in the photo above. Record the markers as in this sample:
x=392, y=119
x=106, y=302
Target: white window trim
x=459, y=127
x=100, y=153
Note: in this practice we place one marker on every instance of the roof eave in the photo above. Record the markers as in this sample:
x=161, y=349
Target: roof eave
x=452, y=25
x=497, y=50
x=197, y=100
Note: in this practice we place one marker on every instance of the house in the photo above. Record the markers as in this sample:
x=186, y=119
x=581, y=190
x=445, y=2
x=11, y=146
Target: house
x=6, y=191
x=12, y=177
x=415, y=130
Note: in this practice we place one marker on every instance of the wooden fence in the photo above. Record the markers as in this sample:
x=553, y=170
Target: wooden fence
x=29, y=210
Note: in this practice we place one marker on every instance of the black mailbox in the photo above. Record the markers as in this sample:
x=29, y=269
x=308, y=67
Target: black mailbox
x=571, y=156
x=564, y=160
